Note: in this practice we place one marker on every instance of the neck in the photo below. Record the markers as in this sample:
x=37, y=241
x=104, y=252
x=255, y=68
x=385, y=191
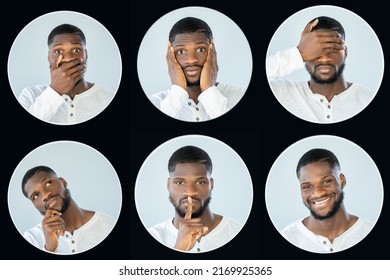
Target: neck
x=80, y=87
x=74, y=217
x=329, y=90
x=331, y=227
x=194, y=92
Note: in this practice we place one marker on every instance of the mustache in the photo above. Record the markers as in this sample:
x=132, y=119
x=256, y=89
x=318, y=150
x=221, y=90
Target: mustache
x=186, y=198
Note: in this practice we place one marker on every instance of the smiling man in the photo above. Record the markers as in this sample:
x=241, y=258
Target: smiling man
x=329, y=228
x=69, y=98
x=327, y=97
x=195, y=94
x=65, y=228
x=194, y=228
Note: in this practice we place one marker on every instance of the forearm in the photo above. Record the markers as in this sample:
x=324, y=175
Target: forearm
x=44, y=106
x=172, y=104
x=214, y=102
x=284, y=63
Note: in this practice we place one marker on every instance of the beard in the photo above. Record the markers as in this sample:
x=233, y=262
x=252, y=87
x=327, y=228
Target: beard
x=331, y=79
x=194, y=215
x=66, y=201
x=332, y=212
x=194, y=84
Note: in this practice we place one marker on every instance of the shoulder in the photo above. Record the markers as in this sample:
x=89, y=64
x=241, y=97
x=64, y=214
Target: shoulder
x=229, y=89
x=103, y=218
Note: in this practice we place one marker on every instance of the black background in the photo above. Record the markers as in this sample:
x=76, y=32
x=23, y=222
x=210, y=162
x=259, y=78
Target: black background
x=130, y=128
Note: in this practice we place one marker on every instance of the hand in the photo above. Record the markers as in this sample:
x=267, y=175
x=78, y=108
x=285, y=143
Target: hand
x=314, y=44
x=209, y=73
x=174, y=69
x=65, y=76
x=53, y=227
x=190, y=230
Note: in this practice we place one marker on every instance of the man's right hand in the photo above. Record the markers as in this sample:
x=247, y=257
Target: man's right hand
x=65, y=76
x=174, y=69
x=314, y=44
x=53, y=227
x=190, y=230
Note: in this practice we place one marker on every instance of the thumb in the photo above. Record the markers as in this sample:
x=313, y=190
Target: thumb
x=309, y=27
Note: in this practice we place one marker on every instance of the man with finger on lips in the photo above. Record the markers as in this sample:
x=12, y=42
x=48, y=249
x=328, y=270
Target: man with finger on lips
x=194, y=228
x=66, y=228
x=69, y=98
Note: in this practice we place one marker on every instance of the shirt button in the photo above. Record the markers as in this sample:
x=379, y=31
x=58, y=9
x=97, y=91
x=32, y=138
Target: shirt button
x=72, y=241
x=73, y=250
x=322, y=100
x=67, y=235
x=72, y=105
x=189, y=103
x=324, y=242
x=331, y=249
x=328, y=106
x=328, y=117
x=66, y=99
x=197, y=119
x=197, y=109
x=198, y=249
x=71, y=114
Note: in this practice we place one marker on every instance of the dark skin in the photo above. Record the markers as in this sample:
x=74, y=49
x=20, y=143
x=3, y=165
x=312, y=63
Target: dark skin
x=324, y=52
x=321, y=188
x=48, y=192
x=67, y=58
x=189, y=186
x=192, y=58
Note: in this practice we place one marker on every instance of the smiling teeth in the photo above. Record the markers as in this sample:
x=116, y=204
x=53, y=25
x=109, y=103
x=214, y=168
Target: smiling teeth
x=321, y=202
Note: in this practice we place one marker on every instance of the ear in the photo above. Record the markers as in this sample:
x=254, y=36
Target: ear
x=168, y=183
x=345, y=50
x=63, y=181
x=343, y=180
x=212, y=183
x=86, y=55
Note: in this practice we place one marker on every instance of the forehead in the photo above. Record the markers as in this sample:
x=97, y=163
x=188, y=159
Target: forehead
x=37, y=178
x=189, y=169
x=66, y=38
x=318, y=168
x=190, y=38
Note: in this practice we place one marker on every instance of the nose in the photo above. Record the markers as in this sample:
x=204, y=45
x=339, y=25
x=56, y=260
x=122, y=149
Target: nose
x=326, y=58
x=191, y=58
x=190, y=190
x=318, y=191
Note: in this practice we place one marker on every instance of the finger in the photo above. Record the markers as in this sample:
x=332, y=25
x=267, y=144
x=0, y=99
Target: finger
x=52, y=212
x=189, y=209
x=59, y=59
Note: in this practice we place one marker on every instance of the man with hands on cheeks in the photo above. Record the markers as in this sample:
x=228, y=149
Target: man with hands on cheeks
x=194, y=228
x=69, y=98
x=329, y=227
x=327, y=97
x=66, y=228
x=195, y=94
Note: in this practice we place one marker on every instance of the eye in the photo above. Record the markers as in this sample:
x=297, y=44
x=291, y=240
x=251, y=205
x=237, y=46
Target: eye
x=306, y=187
x=57, y=51
x=201, y=182
x=48, y=183
x=77, y=50
x=202, y=49
x=179, y=182
x=34, y=196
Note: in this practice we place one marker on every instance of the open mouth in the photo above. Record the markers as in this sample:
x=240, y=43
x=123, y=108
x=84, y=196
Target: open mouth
x=321, y=202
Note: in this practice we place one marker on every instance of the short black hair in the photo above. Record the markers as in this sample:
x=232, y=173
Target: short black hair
x=190, y=154
x=325, y=22
x=66, y=29
x=190, y=25
x=315, y=155
x=33, y=171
